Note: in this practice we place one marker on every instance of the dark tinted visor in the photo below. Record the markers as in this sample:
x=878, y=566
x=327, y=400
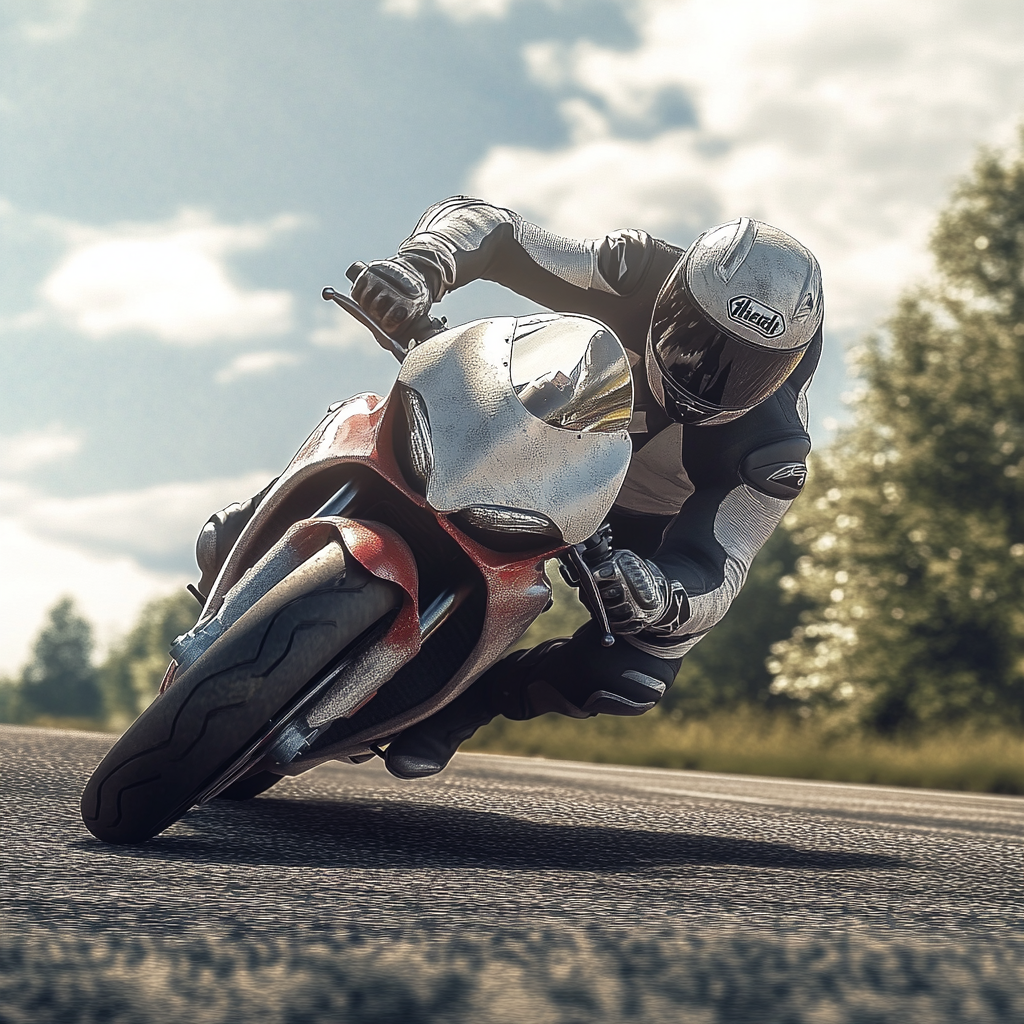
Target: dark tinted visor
x=700, y=361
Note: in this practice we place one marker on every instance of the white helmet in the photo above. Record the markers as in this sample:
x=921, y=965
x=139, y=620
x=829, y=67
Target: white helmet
x=732, y=321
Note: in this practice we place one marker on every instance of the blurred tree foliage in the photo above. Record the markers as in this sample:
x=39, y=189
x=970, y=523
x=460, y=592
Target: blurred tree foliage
x=913, y=521
x=131, y=675
x=60, y=681
x=10, y=700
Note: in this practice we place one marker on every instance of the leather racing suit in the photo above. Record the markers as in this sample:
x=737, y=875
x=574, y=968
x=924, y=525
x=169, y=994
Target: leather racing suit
x=698, y=501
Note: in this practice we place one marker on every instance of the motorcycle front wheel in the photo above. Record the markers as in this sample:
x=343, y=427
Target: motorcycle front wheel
x=215, y=708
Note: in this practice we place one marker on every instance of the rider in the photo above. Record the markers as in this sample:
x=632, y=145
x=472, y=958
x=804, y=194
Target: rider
x=723, y=339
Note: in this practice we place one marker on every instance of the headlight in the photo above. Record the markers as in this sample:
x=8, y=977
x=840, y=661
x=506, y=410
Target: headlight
x=420, y=452
x=508, y=520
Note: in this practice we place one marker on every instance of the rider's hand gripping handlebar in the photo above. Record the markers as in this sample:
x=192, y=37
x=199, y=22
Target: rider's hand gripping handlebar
x=422, y=328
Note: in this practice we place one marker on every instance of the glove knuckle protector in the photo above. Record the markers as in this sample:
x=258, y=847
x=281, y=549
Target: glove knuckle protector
x=634, y=591
x=392, y=292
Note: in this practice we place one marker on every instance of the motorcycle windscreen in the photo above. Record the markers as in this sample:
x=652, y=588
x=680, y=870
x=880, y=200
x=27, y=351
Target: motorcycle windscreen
x=572, y=373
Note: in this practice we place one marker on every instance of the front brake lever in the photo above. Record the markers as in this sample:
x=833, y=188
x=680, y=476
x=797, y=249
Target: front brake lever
x=418, y=331
x=386, y=342
x=587, y=583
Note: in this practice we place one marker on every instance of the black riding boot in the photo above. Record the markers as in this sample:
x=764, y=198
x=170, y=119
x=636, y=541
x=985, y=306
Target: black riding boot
x=575, y=677
x=427, y=747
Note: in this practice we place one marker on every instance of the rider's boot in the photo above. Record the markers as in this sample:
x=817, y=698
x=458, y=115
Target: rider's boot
x=576, y=677
x=218, y=536
x=426, y=748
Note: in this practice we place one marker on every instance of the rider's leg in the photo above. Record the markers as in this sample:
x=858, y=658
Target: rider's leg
x=575, y=677
x=218, y=536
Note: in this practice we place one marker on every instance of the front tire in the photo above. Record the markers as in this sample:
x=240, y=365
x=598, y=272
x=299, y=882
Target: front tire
x=217, y=706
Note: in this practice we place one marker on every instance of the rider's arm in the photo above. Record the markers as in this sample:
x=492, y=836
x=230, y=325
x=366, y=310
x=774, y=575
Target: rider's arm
x=461, y=239
x=745, y=476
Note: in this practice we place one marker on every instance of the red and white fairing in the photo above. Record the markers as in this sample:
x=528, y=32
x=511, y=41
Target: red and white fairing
x=562, y=464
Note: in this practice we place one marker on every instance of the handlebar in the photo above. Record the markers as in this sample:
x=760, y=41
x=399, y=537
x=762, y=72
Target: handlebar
x=386, y=342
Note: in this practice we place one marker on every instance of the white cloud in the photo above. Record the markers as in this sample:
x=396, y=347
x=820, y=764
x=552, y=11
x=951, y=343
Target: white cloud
x=53, y=20
x=96, y=548
x=170, y=279
x=341, y=332
x=254, y=363
x=22, y=452
x=110, y=590
x=157, y=521
x=592, y=186
x=458, y=10
x=843, y=121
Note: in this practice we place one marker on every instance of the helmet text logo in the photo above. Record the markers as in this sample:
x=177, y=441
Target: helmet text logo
x=765, y=320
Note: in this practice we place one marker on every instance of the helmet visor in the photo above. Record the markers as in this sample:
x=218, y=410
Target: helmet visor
x=704, y=366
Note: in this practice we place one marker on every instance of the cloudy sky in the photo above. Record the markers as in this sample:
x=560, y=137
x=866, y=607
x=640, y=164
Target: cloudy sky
x=179, y=180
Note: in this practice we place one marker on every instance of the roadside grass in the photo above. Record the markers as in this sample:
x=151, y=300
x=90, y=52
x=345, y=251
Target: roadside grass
x=749, y=742
x=754, y=743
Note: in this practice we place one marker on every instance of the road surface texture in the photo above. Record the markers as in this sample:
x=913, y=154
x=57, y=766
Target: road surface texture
x=511, y=890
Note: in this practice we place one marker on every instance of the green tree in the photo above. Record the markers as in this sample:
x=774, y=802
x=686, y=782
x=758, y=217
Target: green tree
x=60, y=681
x=913, y=521
x=131, y=675
x=10, y=700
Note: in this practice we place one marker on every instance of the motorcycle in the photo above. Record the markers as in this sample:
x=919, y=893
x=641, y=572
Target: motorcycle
x=398, y=556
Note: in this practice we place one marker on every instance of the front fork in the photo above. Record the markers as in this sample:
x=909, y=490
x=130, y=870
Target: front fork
x=345, y=686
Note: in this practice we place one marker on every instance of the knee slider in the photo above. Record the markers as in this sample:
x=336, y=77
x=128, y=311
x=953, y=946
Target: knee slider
x=633, y=693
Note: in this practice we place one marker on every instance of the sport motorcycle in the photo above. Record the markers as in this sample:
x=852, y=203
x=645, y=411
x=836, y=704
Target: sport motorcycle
x=398, y=556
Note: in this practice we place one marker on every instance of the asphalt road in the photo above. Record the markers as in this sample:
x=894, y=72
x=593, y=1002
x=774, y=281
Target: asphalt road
x=573, y=854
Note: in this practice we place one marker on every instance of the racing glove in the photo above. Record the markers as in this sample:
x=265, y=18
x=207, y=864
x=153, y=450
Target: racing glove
x=393, y=292
x=636, y=594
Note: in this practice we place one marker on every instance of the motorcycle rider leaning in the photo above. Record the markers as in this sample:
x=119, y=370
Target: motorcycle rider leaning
x=722, y=340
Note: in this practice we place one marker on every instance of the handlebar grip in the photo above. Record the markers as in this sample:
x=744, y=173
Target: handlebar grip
x=355, y=270
x=422, y=327
x=596, y=550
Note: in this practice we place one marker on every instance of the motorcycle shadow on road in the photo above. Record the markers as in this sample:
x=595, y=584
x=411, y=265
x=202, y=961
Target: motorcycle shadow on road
x=404, y=835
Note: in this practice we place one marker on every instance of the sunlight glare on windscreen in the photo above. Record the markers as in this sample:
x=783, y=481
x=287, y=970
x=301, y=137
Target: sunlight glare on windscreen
x=546, y=343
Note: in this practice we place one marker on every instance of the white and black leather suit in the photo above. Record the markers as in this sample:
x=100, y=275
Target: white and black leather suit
x=698, y=501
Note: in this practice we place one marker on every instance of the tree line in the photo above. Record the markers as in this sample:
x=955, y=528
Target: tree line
x=889, y=601
x=61, y=685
